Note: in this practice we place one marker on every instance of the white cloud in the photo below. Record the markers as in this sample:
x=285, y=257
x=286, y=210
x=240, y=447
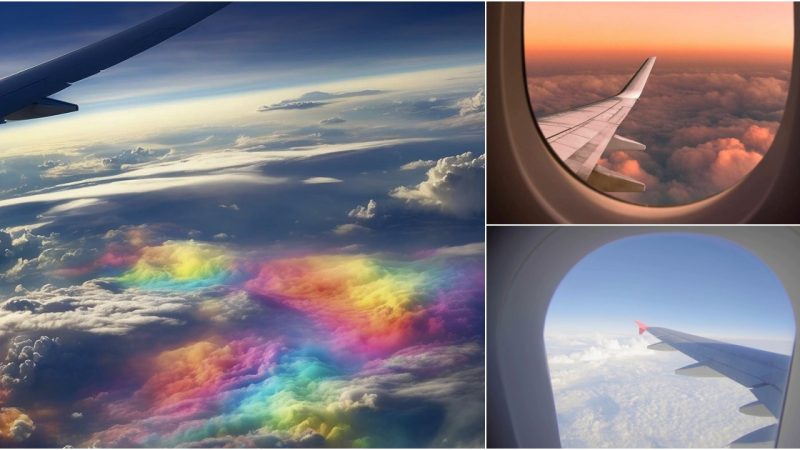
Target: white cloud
x=321, y=180
x=92, y=165
x=77, y=207
x=237, y=159
x=140, y=186
x=612, y=392
x=471, y=105
x=604, y=348
x=22, y=252
x=23, y=357
x=92, y=307
x=454, y=185
x=364, y=212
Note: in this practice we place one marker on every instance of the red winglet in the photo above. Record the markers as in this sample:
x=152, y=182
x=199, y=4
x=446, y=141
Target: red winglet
x=642, y=327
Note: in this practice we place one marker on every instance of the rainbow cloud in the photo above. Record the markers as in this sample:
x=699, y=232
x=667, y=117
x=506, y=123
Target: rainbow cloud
x=187, y=383
x=380, y=326
x=178, y=265
x=209, y=390
x=205, y=394
x=372, y=306
x=15, y=426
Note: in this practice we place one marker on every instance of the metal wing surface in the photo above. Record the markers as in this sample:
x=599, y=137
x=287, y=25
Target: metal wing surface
x=763, y=373
x=580, y=136
x=25, y=95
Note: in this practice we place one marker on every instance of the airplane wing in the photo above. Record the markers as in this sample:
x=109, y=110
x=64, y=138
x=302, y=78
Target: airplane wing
x=25, y=95
x=580, y=136
x=764, y=373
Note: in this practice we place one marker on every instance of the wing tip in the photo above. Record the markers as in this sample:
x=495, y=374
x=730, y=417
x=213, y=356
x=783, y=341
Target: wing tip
x=642, y=327
x=633, y=89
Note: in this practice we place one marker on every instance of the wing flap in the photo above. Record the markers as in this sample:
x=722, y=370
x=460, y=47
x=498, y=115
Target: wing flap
x=770, y=397
x=761, y=438
x=622, y=143
x=661, y=347
x=756, y=409
x=45, y=107
x=607, y=180
x=699, y=370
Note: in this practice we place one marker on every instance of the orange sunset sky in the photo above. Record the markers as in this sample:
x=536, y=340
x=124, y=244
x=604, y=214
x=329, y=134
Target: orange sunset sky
x=675, y=32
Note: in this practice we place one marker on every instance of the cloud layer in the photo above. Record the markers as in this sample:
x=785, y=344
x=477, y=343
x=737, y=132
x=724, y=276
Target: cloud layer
x=247, y=349
x=611, y=391
x=705, y=129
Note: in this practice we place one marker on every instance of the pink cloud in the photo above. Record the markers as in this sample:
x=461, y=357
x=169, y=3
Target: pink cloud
x=704, y=130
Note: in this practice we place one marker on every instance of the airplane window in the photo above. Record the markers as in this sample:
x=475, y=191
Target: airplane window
x=659, y=382
x=658, y=104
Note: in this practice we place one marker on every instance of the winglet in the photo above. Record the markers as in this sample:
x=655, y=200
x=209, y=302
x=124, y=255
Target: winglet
x=642, y=327
x=636, y=84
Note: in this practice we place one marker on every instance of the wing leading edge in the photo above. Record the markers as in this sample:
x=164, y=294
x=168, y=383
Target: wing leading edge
x=580, y=136
x=764, y=373
x=25, y=95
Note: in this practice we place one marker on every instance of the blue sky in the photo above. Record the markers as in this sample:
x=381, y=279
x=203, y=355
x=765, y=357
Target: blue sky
x=252, y=45
x=694, y=283
x=394, y=84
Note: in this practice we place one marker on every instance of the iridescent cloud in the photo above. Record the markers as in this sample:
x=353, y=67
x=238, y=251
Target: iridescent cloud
x=178, y=265
x=377, y=325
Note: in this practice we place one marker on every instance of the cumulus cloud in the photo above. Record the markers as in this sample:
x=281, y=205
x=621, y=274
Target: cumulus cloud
x=365, y=212
x=23, y=252
x=704, y=130
x=603, y=349
x=625, y=164
x=454, y=185
x=472, y=105
x=720, y=163
x=15, y=426
x=25, y=355
x=693, y=172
